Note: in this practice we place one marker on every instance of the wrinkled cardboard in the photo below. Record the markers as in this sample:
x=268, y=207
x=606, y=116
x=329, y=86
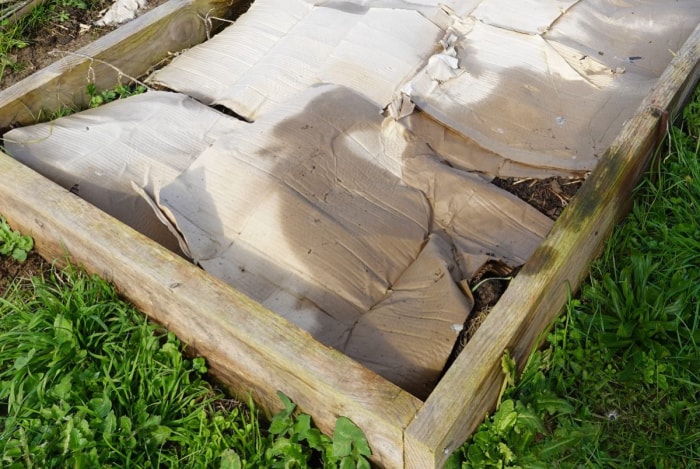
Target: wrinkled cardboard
x=330, y=218
x=550, y=85
x=147, y=140
x=465, y=154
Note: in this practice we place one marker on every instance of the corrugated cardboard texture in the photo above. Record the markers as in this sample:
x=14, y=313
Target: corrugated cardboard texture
x=146, y=141
x=550, y=85
x=349, y=227
x=281, y=47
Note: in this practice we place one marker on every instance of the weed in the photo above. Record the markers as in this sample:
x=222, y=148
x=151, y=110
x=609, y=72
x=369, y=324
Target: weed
x=98, y=98
x=298, y=444
x=87, y=381
x=13, y=243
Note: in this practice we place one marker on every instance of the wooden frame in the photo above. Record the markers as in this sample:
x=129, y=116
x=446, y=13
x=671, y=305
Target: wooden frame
x=256, y=352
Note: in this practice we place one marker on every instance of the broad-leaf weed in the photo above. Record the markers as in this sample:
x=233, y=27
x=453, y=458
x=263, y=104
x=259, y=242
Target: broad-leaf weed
x=13, y=243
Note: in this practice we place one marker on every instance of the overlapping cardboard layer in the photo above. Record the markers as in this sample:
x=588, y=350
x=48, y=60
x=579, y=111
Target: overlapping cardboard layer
x=531, y=88
x=281, y=47
x=550, y=86
x=344, y=223
x=348, y=226
x=140, y=145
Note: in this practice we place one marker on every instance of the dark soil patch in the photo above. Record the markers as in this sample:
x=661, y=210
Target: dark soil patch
x=68, y=29
x=12, y=271
x=550, y=196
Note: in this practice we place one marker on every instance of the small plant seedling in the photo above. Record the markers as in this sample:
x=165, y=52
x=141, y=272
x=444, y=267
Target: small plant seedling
x=350, y=445
x=298, y=444
x=98, y=98
x=13, y=243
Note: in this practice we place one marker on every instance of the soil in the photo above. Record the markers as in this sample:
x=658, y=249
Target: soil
x=71, y=29
x=550, y=196
x=11, y=270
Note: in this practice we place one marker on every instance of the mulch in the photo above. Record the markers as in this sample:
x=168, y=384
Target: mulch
x=11, y=270
x=550, y=196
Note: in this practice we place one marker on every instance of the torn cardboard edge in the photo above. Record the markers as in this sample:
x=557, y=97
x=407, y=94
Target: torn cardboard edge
x=344, y=223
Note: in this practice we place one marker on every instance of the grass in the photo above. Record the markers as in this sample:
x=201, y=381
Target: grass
x=618, y=382
x=87, y=381
x=19, y=34
x=11, y=38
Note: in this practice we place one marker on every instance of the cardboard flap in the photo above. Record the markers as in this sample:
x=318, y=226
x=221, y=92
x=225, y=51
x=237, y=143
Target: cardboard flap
x=519, y=98
x=146, y=139
x=549, y=84
x=281, y=47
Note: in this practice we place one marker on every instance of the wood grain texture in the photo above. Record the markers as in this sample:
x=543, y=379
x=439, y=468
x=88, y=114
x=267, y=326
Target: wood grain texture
x=250, y=349
x=537, y=295
x=132, y=49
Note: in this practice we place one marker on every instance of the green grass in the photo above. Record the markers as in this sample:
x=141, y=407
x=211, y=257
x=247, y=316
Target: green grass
x=87, y=381
x=11, y=39
x=21, y=33
x=618, y=383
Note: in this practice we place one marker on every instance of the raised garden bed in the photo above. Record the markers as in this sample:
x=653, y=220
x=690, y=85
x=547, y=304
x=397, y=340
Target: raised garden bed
x=253, y=350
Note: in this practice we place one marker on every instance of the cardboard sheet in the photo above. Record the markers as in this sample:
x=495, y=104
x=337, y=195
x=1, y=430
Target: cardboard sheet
x=281, y=47
x=530, y=88
x=344, y=223
x=523, y=16
x=550, y=86
x=348, y=226
x=107, y=155
x=464, y=153
x=518, y=97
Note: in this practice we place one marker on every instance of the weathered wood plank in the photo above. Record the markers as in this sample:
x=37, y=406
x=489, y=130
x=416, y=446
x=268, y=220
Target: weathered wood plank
x=132, y=49
x=249, y=348
x=21, y=12
x=536, y=296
